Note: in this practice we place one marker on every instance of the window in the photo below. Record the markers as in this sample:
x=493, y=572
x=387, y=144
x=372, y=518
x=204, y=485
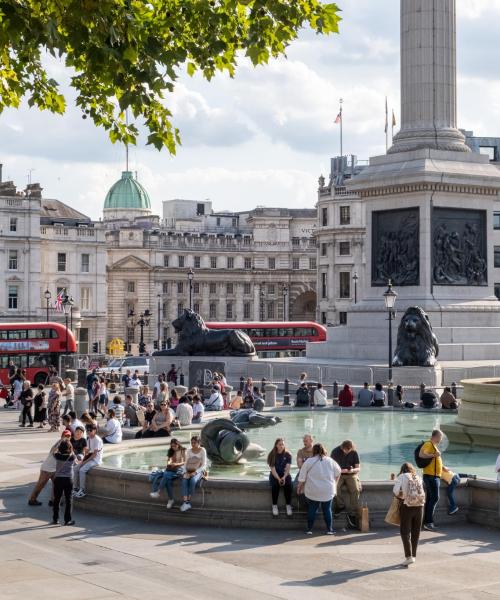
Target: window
x=165, y=312
x=212, y=310
x=13, y=297
x=61, y=261
x=12, y=260
x=248, y=263
x=235, y=221
x=85, y=264
x=497, y=290
x=164, y=287
x=229, y=288
x=342, y=318
x=323, y=318
x=344, y=285
x=295, y=242
x=345, y=215
x=324, y=217
x=213, y=288
x=229, y=310
x=196, y=307
x=324, y=290
x=270, y=310
x=497, y=256
x=131, y=287
x=295, y=264
x=180, y=260
x=230, y=262
x=213, y=262
x=324, y=249
x=85, y=298
x=246, y=310
x=180, y=309
x=247, y=240
x=165, y=260
x=197, y=262
x=312, y=262
x=200, y=209
x=13, y=224
x=272, y=263
x=218, y=221
x=180, y=287
x=271, y=290
x=196, y=288
x=344, y=248
x=166, y=333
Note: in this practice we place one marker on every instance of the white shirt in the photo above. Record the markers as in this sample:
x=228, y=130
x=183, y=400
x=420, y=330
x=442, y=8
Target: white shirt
x=215, y=401
x=202, y=455
x=77, y=423
x=401, y=485
x=319, y=475
x=497, y=468
x=134, y=383
x=69, y=392
x=320, y=397
x=113, y=431
x=94, y=444
x=198, y=409
x=184, y=413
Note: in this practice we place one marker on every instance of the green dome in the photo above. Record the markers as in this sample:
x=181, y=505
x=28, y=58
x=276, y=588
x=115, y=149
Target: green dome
x=127, y=193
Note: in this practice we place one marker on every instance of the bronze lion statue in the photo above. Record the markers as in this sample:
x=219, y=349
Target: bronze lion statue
x=417, y=346
x=194, y=338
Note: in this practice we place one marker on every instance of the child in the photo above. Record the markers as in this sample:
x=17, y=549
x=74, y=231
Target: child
x=63, y=480
x=453, y=479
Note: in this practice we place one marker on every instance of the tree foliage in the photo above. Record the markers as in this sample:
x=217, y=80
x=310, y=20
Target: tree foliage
x=126, y=54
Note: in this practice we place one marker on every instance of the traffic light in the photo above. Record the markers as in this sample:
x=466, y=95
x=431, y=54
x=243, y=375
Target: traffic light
x=95, y=347
x=155, y=344
x=164, y=344
x=142, y=347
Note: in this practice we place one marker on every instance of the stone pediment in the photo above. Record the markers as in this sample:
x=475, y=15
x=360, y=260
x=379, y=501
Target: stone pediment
x=130, y=262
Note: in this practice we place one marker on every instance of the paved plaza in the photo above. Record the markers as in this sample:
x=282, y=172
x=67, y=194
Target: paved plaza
x=105, y=557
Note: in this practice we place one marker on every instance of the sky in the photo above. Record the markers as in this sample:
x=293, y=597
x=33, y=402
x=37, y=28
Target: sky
x=264, y=137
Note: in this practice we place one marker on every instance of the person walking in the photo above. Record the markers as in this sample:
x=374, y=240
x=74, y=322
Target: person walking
x=63, y=481
x=280, y=461
x=432, y=476
x=349, y=485
x=54, y=407
x=69, y=392
x=409, y=488
x=26, y=399
x=317, y=480
x=91, y=379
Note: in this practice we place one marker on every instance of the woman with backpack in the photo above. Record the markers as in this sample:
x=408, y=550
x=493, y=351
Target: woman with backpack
x=410, y=490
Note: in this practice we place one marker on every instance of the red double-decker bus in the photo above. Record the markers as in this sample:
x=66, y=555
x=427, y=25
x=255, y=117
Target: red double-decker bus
x=34, y=347
x=278, y=338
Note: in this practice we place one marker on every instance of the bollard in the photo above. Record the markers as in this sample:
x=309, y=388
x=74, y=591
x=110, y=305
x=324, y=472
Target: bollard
x=134, y=392
x=422, y=389
x=335, y=390
x=390, y=394
x=181, y=378
x=242, y=383
x=81, y=401
x=181, y=390
x=82, y=377
x=311, y=387
x=145, y=379
x=271, y=394
x=286, y=393
x=454, y=389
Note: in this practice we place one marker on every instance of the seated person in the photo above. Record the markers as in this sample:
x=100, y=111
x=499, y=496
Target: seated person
x=148, y=416
x=130, y=411
x=144, y=397
x=428, y=399
x=379, y=396
x=112, y=431
x=194, y=469
x=302, y=395
x=237, y=401
x=448, y=400
x=174, y=399
x=161, y=423
x=198, y=409
x=184, y=412
x=118, y=408
x=346, y=397
x=79, y=442
x=306, y=451
x=176, y=459
x=248, y=401
x=92, y=459
x=215, y=402
x=365, y=396
x=319, y=398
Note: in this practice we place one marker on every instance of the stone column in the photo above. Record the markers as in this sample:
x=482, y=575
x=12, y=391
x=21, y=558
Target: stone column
x=81, y=401
x=428, y=77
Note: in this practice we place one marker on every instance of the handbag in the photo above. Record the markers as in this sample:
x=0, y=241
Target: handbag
x=364, y=519
x=393, y=515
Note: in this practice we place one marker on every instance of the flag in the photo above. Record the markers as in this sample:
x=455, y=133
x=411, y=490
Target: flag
x=339, y=118
x=58, y=301
x=386, y=117
x=393, y=119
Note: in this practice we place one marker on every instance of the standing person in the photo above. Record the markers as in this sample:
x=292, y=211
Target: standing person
x=248, y=388
x=280, y=461
x=130, y=412
x=198, y=409
x=69, y=392
x=432, y=476
x=103, y=396
x=317, y=480
x=63, y=481
x=54, y=402
x=96, y=389
x=194, y=469
x=91, y=379
x=346, y=397
x=92, y=459
x=319, y=398
x=135, y=382
x=409, y=488
x=17, y=388
x=126, y=379
x=162, y=393
x=365, y=396
x=379, y=396
x=26, y=399
x=349, y=485
x=156, y=387
x=40, y=402
x=452, y=480
x=176, y=459
x=306, y=451
x=172, y=375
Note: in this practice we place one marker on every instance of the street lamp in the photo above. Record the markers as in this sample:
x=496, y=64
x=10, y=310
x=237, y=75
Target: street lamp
x=390, y=301
x=67, y=305
x=355, y=278
x=190, y=279
x=285, y=294
x=130, y=325
x=48, y=296
x=144, y=319
x=159, y=320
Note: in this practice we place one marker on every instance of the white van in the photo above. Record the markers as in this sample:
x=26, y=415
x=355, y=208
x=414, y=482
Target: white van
x=121, y=365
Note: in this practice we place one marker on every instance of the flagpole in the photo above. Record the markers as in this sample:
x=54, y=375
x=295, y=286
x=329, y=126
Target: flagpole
x=341, y=128
x=386, y=126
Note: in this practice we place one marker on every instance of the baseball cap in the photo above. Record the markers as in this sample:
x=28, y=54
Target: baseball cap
x=67, y=433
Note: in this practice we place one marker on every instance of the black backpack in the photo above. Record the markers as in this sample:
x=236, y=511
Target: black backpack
x=421, y=462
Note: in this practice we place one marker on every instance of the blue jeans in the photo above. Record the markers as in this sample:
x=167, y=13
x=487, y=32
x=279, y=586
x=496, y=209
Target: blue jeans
x=312, y=509
x=452, y=505
x=188, y=485
x=167, y=481
x=431, y=485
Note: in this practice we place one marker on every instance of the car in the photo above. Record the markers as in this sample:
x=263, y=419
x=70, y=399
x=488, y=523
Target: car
x=121, y=365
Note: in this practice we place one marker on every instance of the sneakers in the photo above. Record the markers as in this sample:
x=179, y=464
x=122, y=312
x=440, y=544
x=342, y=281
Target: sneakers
x=454, y=511
x=331, y=532
x=275, y=510
x=30, y=425
x=73, y=493
x=429, y=527
x=185, y=506
x=170, y=503
x=309, y=532
x=155, y=494
x=80, y=494
x=408, y=561
x=289, y=511
x=55, y=522
x=69, y=523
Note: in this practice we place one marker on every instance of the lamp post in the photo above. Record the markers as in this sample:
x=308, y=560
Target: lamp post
x=67, y=304
x=355, y=278
x=144, y=319
x=130, y=324
x=390, y=301
x=48, y=296
x=190, y=279
x=285, y=294
x=159, y=320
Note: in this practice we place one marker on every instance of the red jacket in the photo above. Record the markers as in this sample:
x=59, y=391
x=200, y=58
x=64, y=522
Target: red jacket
x=346, y=396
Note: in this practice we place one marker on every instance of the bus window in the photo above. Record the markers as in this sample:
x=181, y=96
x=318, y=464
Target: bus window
x=3, y=334
x=17, y=334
